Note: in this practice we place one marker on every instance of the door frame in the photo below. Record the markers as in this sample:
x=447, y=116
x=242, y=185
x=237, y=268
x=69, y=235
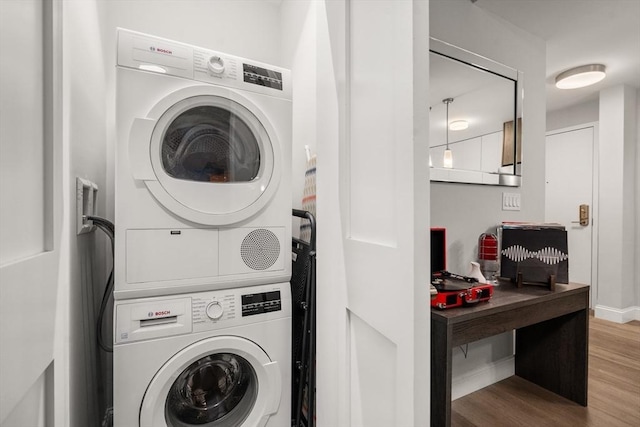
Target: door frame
x=595, y=196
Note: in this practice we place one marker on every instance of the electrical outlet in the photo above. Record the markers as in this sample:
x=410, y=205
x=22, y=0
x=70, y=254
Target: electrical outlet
x=510, y=201
x=86, y=205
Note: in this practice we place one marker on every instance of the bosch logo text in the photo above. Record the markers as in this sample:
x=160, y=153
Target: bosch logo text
x=159, y=313
x=160, y=50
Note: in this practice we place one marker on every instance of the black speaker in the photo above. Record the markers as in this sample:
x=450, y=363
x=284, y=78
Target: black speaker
x=438, y=249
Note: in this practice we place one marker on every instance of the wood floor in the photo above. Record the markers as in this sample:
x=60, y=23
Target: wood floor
x=613, y=399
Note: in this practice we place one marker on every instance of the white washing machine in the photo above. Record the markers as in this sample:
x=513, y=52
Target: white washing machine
x=219, y=358
x=202, y=169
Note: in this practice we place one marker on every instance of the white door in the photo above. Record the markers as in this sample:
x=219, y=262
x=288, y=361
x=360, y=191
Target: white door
x=373, y=218
x=30, y=206
x=570, y=178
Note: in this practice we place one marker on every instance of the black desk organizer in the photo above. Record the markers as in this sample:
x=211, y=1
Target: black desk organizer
x=303, y=293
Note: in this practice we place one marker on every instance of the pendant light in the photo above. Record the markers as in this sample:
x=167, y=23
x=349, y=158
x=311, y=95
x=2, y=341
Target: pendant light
x=447, y=160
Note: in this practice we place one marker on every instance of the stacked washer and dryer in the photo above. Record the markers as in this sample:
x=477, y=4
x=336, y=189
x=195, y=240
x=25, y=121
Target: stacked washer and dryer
x=202, y=312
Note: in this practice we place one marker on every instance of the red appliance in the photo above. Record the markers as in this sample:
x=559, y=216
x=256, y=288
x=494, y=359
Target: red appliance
x=456, y=291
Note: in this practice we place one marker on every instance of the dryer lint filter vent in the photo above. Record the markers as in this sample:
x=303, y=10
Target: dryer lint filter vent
x=260, y=249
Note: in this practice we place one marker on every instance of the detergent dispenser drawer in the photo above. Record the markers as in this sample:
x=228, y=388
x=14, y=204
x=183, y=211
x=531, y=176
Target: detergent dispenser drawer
x=156, y=318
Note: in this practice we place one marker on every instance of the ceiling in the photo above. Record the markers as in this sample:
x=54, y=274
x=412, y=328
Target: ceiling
x=579, y=32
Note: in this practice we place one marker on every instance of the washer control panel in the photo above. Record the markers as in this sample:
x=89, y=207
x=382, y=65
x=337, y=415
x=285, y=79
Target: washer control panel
x=232, y=307
x=210, y=307
x=215, y=310
x=158, y=317
x=263, y=302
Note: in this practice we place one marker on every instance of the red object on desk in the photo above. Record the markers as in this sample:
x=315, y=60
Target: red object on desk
x=464, y=297
x=457, y=291
x=488, y=247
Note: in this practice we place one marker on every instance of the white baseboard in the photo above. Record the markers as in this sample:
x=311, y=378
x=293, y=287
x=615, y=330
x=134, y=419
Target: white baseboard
x=618, y=315
x=482, y=377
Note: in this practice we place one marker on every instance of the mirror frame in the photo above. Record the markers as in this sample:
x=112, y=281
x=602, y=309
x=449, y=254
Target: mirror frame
x=474, y=60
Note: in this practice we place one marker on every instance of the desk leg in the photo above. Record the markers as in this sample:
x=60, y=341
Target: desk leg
x=440, y=375
x=554, y=354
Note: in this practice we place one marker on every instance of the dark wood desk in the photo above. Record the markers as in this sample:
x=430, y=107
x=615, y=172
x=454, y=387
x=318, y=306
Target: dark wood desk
x=552, y=331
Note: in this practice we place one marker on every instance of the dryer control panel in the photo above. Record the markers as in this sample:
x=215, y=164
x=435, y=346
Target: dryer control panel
x=158, y=55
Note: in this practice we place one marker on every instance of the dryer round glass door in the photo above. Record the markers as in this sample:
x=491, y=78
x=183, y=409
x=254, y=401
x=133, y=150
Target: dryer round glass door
x=211, y=155
x=211, y=144
x=216, y=382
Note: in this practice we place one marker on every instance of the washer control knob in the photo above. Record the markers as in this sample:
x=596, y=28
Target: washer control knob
x=215, y=65
x=214, y=310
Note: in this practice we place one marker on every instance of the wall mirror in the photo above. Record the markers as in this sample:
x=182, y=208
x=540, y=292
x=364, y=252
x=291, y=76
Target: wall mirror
x=475, y=118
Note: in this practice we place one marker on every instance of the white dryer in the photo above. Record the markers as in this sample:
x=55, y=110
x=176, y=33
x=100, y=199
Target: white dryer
x=219, y=358
x=202, y=169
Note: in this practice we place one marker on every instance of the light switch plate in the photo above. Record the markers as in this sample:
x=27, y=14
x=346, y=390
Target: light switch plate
x=86, y=204
x=510, y=201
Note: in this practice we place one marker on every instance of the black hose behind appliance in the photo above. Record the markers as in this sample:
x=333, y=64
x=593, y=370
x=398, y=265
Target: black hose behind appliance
x=109, y=229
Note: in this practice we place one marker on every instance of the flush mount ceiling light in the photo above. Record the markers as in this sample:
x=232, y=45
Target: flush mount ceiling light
x=580, y=76
x=459, y=125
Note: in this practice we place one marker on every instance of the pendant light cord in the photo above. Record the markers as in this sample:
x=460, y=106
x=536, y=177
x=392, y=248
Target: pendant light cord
x=447, y=101
x=446, y=123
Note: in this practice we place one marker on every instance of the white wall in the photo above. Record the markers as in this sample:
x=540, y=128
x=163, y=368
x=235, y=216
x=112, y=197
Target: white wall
x=84, y=112
x=618, y=114
x=469, y=210
x=298, y=35
x=576, y=115
x=617, y=258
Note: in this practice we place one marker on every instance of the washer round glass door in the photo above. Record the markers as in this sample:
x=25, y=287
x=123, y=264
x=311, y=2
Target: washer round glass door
x=215, y=157
x=218, y=388
x=216, y=382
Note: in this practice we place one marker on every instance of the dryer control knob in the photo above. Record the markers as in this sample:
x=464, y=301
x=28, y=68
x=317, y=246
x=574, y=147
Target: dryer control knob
x=215, y=65
x=214, y=310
